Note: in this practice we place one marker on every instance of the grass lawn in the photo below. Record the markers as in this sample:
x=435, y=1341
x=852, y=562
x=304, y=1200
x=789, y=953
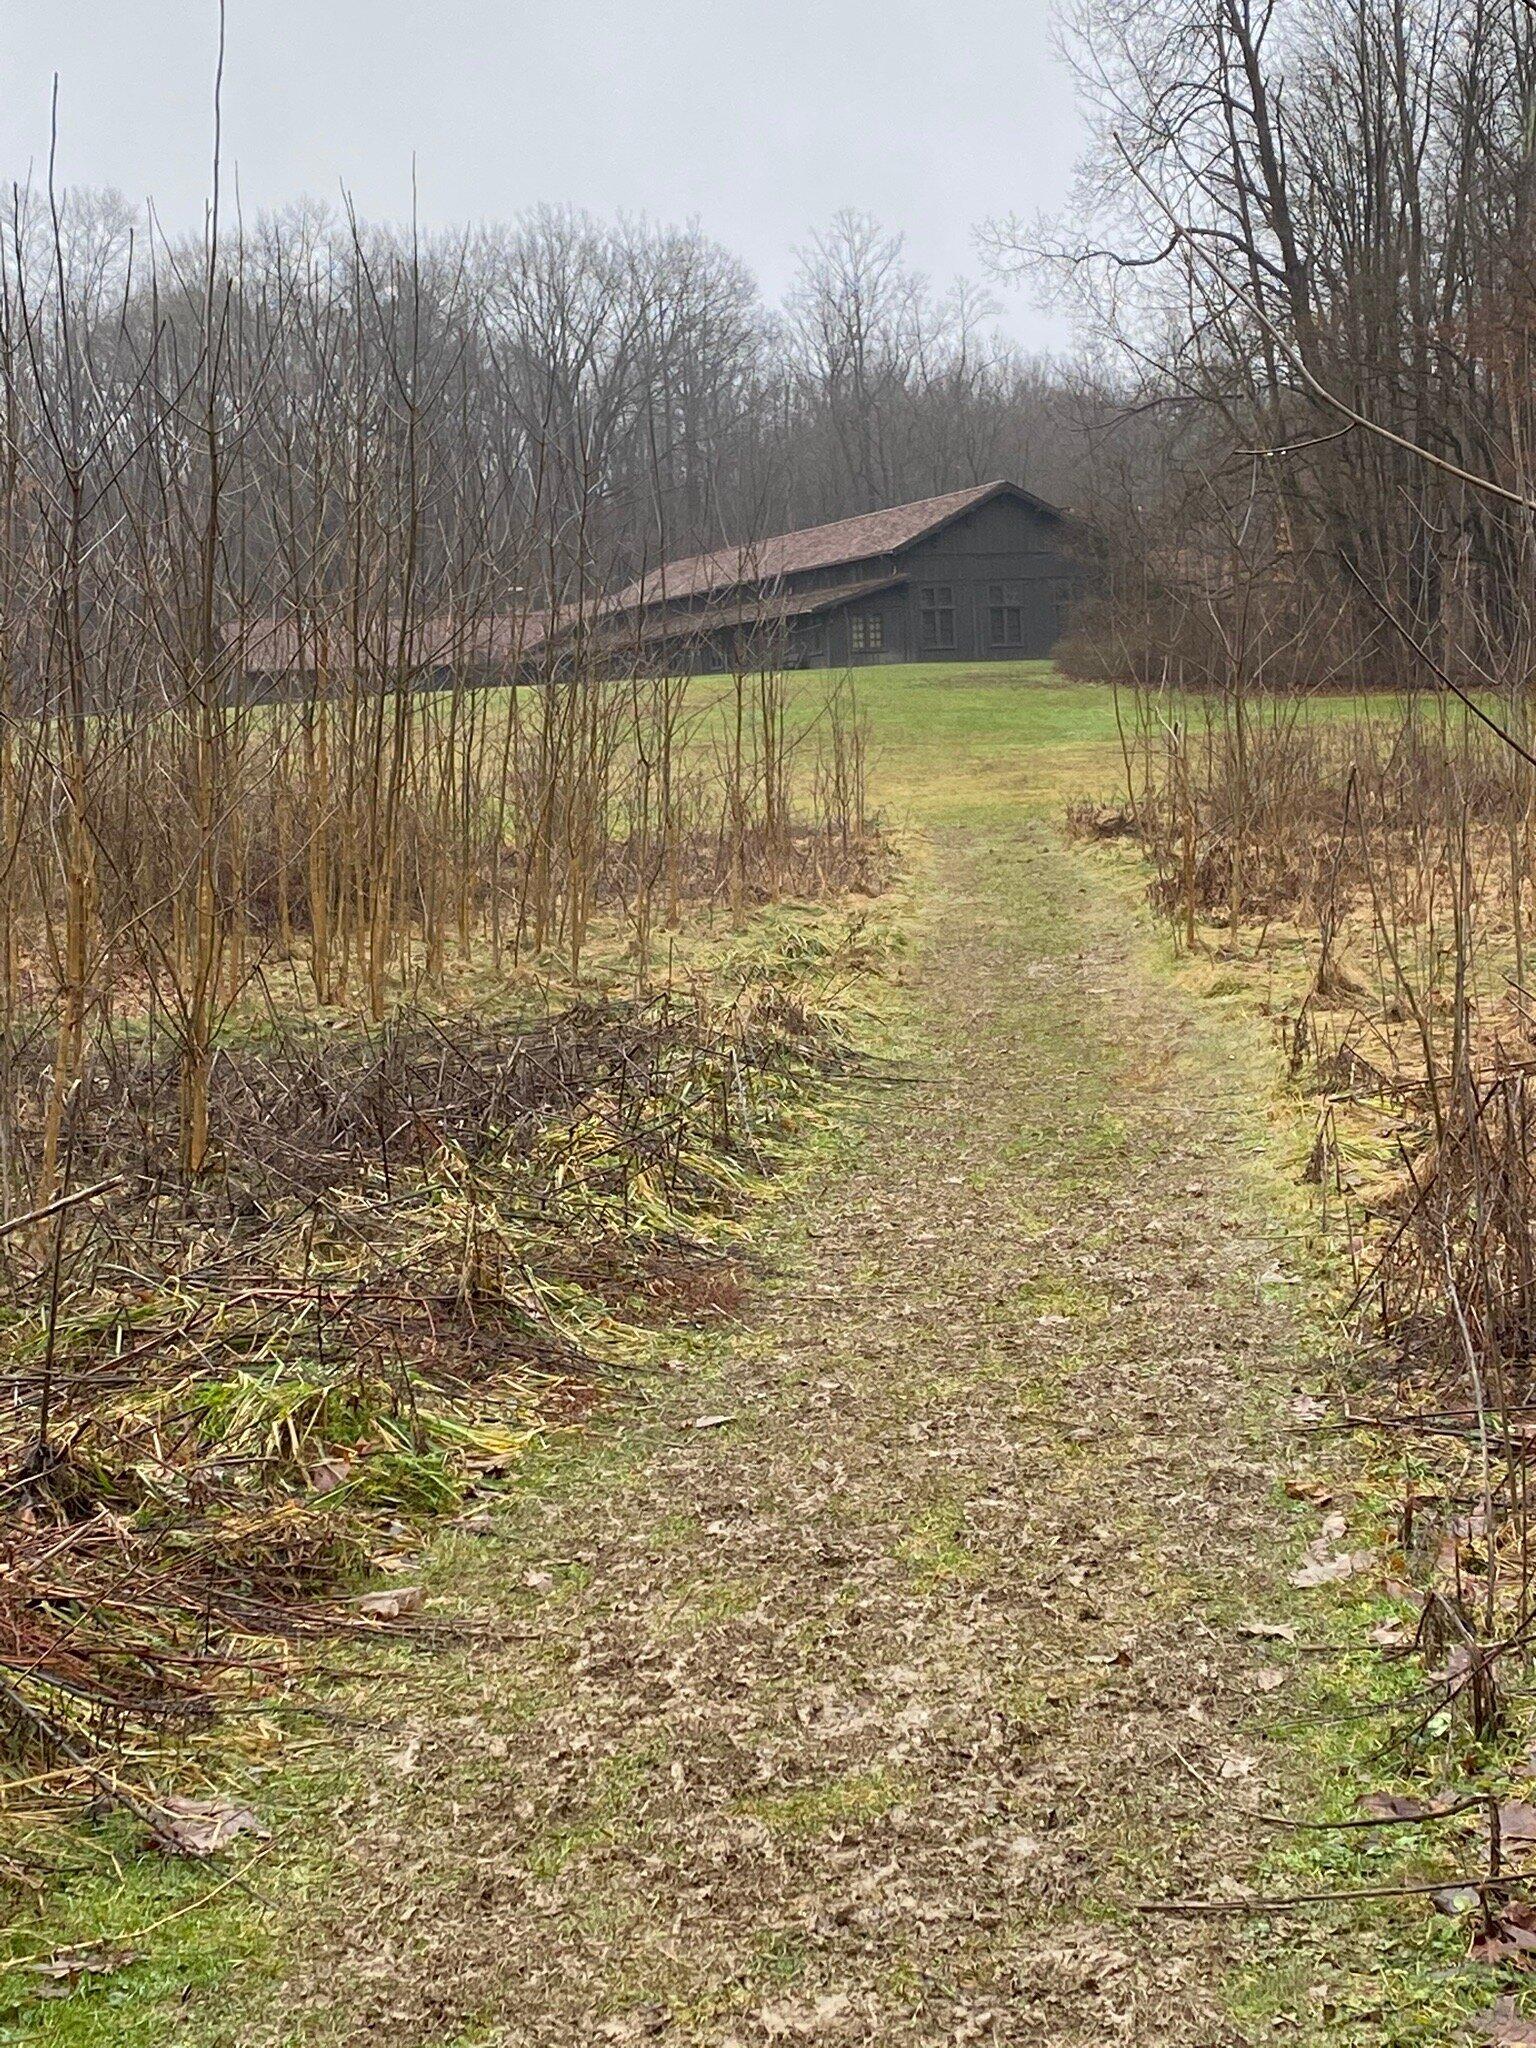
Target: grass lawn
x=953, y=738
x=949, y=737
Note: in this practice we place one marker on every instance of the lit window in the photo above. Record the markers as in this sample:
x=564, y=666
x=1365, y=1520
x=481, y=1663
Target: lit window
x=936, y=615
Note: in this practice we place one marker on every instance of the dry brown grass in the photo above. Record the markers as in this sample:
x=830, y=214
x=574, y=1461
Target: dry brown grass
x=416, y=1251
x=1372, y=872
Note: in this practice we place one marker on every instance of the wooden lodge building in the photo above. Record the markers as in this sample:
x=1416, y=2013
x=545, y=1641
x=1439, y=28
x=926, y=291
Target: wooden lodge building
x=977, y=575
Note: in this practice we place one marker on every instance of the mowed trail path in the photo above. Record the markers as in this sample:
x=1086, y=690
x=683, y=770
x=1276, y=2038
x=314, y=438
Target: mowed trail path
x=867, y=1715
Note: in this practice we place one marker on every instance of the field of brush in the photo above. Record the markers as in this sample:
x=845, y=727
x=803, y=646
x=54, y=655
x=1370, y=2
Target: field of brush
x=436, y=1233
x=1359, y=872
x=360, y=1125
x=372, y=1137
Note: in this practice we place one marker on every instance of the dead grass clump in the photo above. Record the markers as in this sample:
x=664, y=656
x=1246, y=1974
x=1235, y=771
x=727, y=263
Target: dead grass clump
x=1368, y=869
x=1272, y=811
x=233, y=1395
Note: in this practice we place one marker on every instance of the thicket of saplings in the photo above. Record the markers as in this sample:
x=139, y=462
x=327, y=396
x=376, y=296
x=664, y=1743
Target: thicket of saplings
x=326, y=1164
x=1309, y=227
x=1367, y=861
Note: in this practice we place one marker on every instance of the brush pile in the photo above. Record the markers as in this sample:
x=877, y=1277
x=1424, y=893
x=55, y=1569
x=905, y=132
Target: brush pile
x=229, y=1397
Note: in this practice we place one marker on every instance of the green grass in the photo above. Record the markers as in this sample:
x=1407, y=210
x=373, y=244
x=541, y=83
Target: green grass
x=847, y=1802
x=951, y=739
x=954, y=746
x=960, y=738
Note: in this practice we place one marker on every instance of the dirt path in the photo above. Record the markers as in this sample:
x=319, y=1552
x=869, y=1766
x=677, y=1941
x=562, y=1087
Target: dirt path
x=862, y=1717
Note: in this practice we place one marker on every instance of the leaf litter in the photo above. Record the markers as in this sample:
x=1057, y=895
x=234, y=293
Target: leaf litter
x=262, y=1387
x=725, y=1782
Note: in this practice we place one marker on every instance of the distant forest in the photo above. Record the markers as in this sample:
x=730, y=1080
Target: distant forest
x=620, y=389
x=1305, y=232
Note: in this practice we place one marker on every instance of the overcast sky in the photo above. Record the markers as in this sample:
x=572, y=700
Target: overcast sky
x=759, y=117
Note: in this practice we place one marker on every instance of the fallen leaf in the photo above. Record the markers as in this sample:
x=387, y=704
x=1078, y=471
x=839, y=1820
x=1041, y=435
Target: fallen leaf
x=1514, y=1947
x=799, y=2021
x=1504, y=2026
x=1309, y=1489
x=709, y=1421
x=390, y=1603
x=83, y=1962
x=328, y=1474
x=1402, y=1806
x=1269, y=1631
x=202, y=1827
x=1511, y=1937
x=1324, y=1571
x=1327, y=1571
x=1269, y=1679
x=1390, y=1635
x=1517, y=1824
x=539, y=1582
x=1456, y=1900
x=643, y=2024
x=404, y=1758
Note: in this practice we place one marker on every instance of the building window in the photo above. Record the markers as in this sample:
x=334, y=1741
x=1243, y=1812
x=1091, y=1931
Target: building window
x=1005, y=614
x=1062, y=595
x=868, y=631
x=936, y=614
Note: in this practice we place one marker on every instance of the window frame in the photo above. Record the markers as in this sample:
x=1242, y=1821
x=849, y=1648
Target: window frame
x=936, y=617
x=1005, y=601
x=866, y=632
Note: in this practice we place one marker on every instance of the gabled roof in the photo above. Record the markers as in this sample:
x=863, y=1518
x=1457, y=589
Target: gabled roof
x=288, y=643
x=859, y=539
x=766, y=612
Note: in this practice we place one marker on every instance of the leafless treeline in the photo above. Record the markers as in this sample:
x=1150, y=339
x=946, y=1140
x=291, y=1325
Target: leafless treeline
x=351, y=461
x=625, y=377
x=1311, y=237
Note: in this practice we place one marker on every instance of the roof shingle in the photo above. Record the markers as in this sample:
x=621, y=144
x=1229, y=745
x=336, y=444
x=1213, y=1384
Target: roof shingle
x=859, y=539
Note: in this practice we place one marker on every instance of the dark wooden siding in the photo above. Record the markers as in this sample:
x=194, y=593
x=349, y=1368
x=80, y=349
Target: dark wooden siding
x=1004, y=563
x=896, y=641
x=1004, y=543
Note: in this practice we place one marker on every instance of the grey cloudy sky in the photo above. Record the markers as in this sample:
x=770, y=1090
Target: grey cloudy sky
x=759, y=117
